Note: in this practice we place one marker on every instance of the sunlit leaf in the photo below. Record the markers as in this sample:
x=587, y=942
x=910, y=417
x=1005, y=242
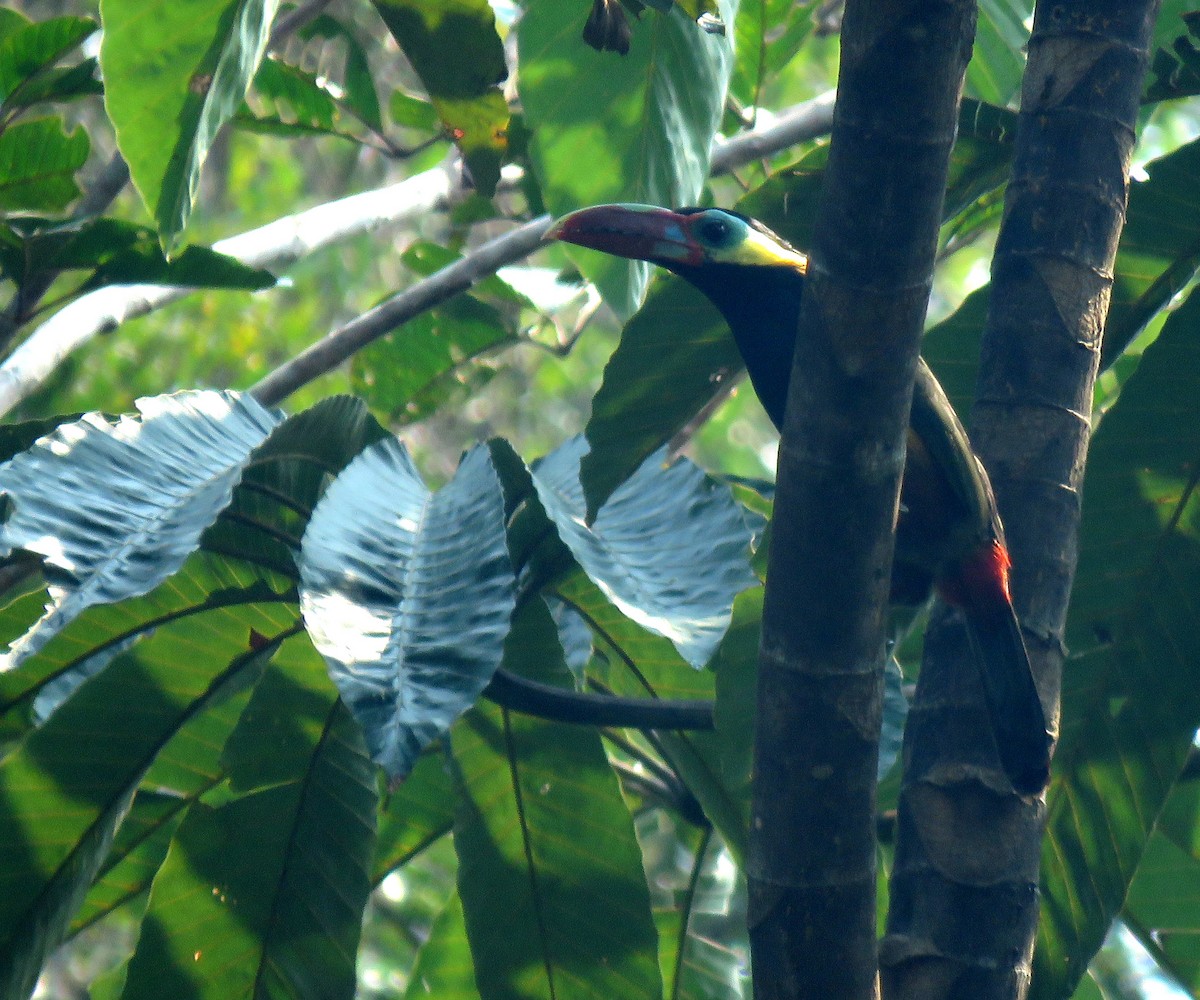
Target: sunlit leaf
x=114, y=508
x=36, y=47
x=464, y=90
x=610, y=128
x=173, y=75
x=408, y=594
x=267, y=887
x=38, y=161
x=669, y=548
x=59, y=808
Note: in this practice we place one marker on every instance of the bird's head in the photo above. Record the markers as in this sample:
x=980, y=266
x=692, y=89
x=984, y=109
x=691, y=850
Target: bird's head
x=686, y=240
x=753, y=277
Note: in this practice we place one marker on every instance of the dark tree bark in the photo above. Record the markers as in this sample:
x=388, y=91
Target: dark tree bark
x=812, y=849
x=964, y=888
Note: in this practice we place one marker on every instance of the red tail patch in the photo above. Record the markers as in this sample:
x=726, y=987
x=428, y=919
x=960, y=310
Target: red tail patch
x=981, y=580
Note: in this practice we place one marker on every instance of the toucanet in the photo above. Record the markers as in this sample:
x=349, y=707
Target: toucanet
x=948, y=536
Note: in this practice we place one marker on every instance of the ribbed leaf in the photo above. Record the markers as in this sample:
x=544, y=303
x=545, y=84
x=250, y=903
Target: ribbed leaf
x=38, y=161
x=173, y=75
x=116, y=508
x=1130, y=702
x=190, y=764
x=136, y=854
x=262, y=894
x=608, y=128
x=284, y=478
x=550, y=872
x=37, y=46
x=205, y=583
x=59, y=807
x=670, y=548
x=408, y=595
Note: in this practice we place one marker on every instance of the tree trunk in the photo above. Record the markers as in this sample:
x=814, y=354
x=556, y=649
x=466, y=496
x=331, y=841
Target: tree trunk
x=964, y=888
x=812, y=843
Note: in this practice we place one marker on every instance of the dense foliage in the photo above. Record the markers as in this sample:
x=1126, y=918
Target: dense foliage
x=241, y=705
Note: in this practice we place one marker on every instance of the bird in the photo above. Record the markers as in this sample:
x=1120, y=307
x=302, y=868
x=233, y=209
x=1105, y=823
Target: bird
x=949, y=536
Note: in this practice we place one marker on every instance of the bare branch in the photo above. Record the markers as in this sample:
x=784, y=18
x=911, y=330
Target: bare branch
x=339, y=345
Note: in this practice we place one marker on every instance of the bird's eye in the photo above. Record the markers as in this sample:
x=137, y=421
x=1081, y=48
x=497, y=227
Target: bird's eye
x=714, y=229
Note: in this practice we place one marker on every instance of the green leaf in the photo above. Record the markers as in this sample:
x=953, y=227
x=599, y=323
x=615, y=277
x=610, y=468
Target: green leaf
x=1162, y=897
x=998, y=60
x=455, y=50
x=60, y=84
x=120, y=252
x=1130, y=703
x=769, y=34
x=640, y=662
x=36, y=47
x=358, y=86
x=290, y=95
x=1160, y=245
x=409, y=373
x=609, y=128
x=205, y=583
x=173, y=75
x=267, y=888
x=137, y=853
x=550, y=873
x=114, y=508
x=415, y=814
x=59, y=807
x=285, y=476
x=1176, y=70
x=412, y=112
x=443, y=967
x=408, y=595
x=38, y=161
x=667, y=524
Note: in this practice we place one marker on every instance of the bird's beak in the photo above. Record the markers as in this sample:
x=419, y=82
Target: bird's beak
x=639, y=232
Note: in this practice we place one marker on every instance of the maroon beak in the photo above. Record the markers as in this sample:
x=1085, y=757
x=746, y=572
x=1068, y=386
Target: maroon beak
x=639, y=232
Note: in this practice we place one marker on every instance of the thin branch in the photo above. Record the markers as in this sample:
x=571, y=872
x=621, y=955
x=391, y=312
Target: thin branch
x=338, y=346
x=546, y=701
x=284, y=242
